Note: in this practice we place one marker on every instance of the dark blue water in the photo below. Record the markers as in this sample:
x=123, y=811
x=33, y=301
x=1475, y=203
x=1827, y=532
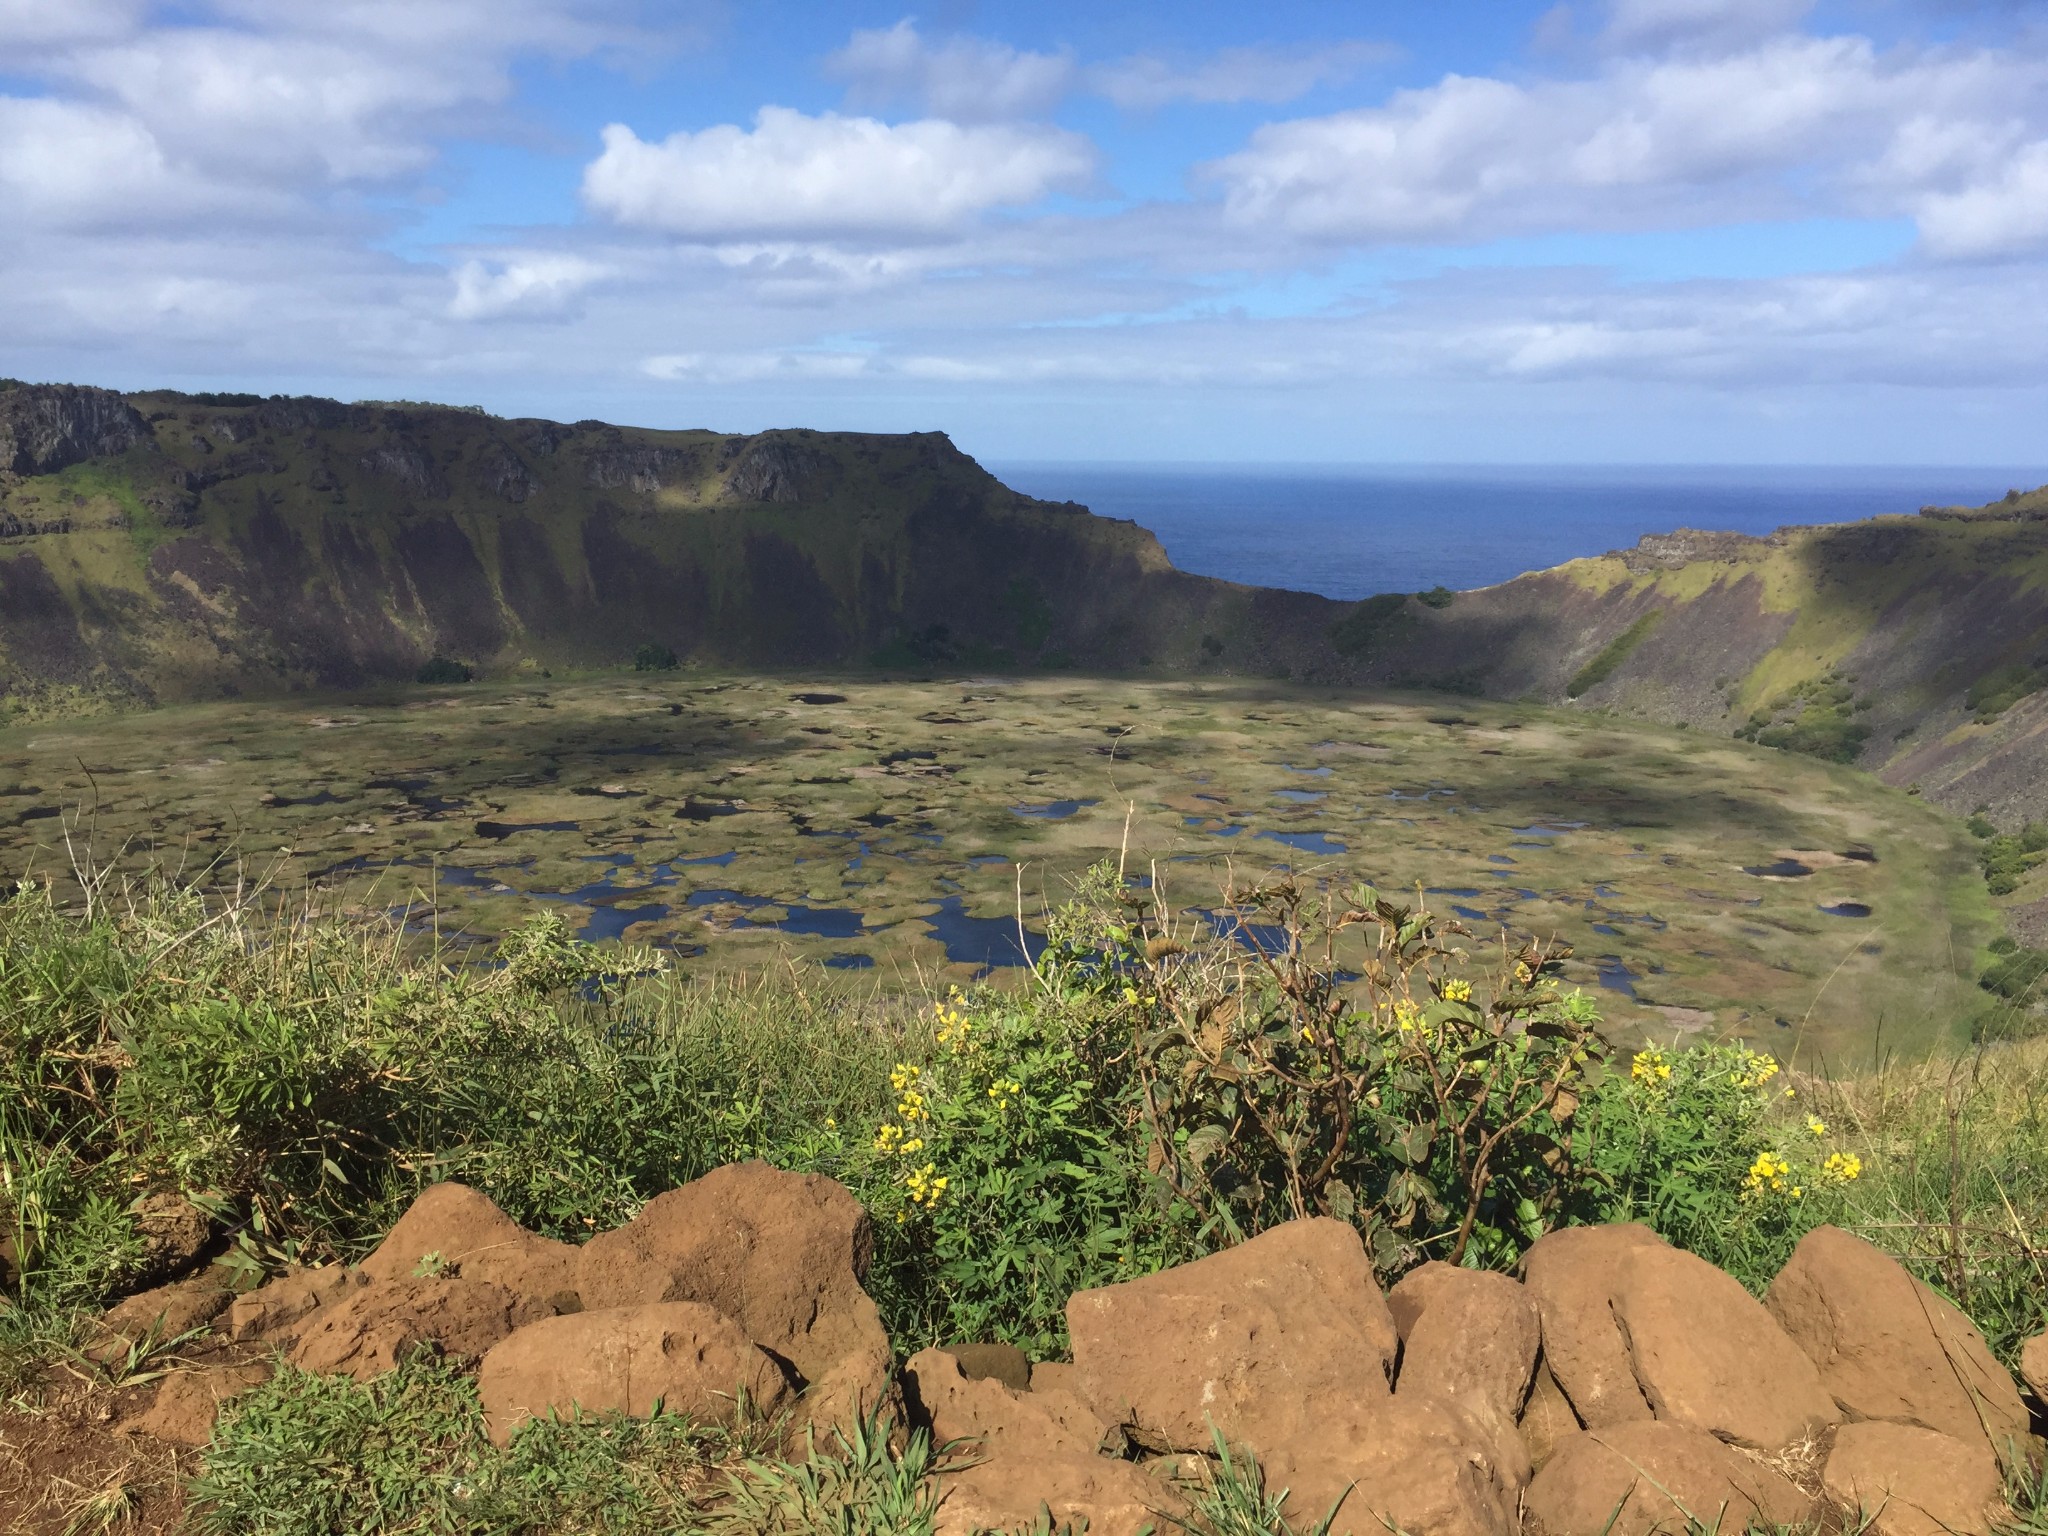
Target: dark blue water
x=1349, y=532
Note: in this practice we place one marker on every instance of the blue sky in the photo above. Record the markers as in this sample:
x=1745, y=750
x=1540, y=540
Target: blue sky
x=1735, y=231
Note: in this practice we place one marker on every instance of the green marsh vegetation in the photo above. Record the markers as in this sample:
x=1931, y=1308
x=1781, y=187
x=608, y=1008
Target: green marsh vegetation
x=893, y=826
x=1152, y=1090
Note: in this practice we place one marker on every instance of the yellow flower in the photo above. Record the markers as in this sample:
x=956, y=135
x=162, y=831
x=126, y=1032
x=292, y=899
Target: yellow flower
x=1650, y=1068
x=902, y=1075
x=1815, y=1124
x=1458, y=991
x=1841, y=1167
x=1768, y=1173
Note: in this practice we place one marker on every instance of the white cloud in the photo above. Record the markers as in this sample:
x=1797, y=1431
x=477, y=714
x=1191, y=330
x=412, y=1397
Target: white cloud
x=1655, y=26
x=964, y=79
x=828, y=176
x=59, y=23
x=530, y=283
x=1795, y=126
x=2005, y=214
x=1234, y=75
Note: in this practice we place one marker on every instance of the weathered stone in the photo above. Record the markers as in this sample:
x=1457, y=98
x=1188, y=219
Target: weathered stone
x=1570, y=1274
x=1889, y=1348
x=1035, y=1448
x=1637, y=1478
x=1708, y=1355
x=1251, y=1341
x=681, y=1355
x=187, y=1403
x=451, y=1229
x=780, y=1253
x=1470, y=1333
x=1421, y=1465
x=277, y=1310
x=374, y=1328
x=175, y=1233
x=2034, y=1367
x=994, y=1362
x=167, y=1312
x=1547, y=1418
x=1902, y=1480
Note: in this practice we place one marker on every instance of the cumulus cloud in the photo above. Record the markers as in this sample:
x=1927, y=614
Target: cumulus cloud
x=2003, y=215
x=793, y=175
x=1656, y=26
x=1234, y=75
x=28, y=24
x=531, y=283
x=965, y=79
x=976, y=79
x=1796, y=125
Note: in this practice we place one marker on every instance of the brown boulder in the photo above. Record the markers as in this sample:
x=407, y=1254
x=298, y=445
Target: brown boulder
x=168, y=1312
x=1634, y=1479
x=1709, y=1356
x=994, y=1362
x=1251, y=1341
x=683, y=1357
x=174, y=1233
x=1570, y=1275
x=451, y=1229
x=1469, y=1333
x=1056, y=1376
x=782, y=1254
x=1026, y=1450
x=374, y=1328
x=187, y=1403
x=1547, y=1418
x=1902, y=1480
x=276, y=1310
x=1420, y=1465
x=1889, y=1348
x=2034, y=1367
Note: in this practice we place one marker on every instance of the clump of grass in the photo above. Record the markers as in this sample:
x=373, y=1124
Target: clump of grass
x=1613, y=654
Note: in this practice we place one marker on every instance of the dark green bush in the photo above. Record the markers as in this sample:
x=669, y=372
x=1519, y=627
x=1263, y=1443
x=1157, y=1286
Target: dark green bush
x=442, y=670
x=1996, y=692
x=655, y=658
x=1438, y=596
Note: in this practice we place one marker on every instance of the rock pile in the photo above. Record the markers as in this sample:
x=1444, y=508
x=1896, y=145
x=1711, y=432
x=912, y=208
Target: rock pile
x=1619, y=1387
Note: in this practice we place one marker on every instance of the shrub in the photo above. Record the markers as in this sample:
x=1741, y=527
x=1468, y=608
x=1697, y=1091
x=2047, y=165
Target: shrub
x=441, y=670
x=999, y=1184
x=2008, y=858
x=1996, y=692
x=1369, y=625
x=1438, y=596
x=1710, y=1147
x=655, y=658
x=1427, y=1106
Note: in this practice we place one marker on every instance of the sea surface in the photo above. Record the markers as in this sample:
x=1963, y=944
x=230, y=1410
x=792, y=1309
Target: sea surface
x=1348, y=532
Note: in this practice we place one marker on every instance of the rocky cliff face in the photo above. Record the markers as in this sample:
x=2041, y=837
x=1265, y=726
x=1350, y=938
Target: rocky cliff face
x=162, y=547
x=44, y=428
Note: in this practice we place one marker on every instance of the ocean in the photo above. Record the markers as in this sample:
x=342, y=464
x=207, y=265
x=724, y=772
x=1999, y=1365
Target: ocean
x=1348, y=532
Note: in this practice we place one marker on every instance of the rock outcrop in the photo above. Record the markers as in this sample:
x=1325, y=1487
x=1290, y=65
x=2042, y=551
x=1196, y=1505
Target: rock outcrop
x=1901, y=1480
x=1623, y=1388
x=1635, y=1478
x=1291, y=1325
x=48, y=427
x=677, y=1355
x=1889, y=1348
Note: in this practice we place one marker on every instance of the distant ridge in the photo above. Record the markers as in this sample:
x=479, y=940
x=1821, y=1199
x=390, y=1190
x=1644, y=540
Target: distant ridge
x=159, y=546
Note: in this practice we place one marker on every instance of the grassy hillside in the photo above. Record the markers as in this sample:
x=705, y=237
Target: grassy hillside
x=161, y=547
